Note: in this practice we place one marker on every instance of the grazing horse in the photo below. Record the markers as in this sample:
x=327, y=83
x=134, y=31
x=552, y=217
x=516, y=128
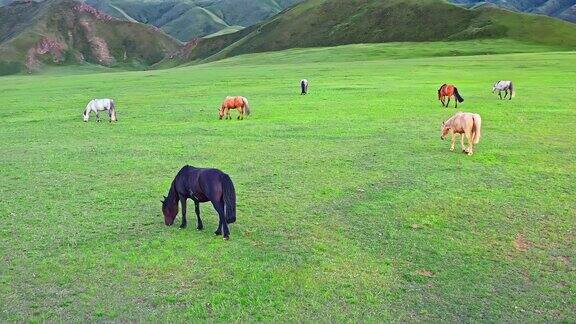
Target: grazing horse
x=98, y=105
x=239, y=103
x=464, y=124
x=449, y=90
x=304, y=86
x=505, y=86
x=201, y=185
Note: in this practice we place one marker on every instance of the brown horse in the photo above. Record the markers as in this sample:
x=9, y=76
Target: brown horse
x=230, y=103
x=449, y=90
x=464, y=124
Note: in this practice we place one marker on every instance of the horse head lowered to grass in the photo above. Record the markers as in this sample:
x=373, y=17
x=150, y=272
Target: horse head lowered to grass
x=449, y=91
x=98, y=105
x=201, y=185
x=231, y=103
x=465, y=124
x=506, y=86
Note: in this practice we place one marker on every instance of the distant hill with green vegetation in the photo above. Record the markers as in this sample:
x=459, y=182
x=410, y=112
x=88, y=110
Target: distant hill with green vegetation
x=188, y=19
x=33, y=34
x=67, y=31
x=316, y=23
x=563, y=9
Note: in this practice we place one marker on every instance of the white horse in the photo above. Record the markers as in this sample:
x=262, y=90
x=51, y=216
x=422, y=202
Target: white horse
x=504, y=86
x=304, y=86
x=98, y=105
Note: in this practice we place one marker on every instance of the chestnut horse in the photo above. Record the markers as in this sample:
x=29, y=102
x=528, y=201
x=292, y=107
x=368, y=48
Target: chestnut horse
x=201, y=185
x=239, y=103
x=449, y=90
x=463, y=123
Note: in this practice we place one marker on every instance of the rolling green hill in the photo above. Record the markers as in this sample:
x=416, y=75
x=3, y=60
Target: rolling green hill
x=67, y=31
x=316, y=23
x=563, y=9
x=188, y=19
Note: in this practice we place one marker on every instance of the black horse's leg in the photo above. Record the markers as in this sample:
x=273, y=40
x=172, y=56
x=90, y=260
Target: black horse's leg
x=505, y=93
x=200, y=225
x=448, y=102
x=184, y=222
x=220, y=220
x=97, y=116
x=500, y=94
x=222, y=226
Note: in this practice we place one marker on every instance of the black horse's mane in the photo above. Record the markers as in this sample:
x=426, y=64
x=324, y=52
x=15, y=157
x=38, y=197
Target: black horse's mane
x=172, y=195
x=442, y=86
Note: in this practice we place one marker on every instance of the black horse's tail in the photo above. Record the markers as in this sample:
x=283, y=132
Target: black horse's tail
x=229, y=194
x=457, y=95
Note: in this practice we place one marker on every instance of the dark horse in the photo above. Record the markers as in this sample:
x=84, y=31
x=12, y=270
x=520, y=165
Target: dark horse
x=201, y=185
x=304, y=86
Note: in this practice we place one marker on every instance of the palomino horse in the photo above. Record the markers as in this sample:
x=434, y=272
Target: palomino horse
x=304, y=86
x=98, y=105
x=505, y=86
x=239, y=103
x=464, y=124
x=201, y=185
x=449, y=90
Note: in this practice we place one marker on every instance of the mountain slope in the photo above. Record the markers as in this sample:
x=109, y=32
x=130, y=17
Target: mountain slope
x=67, y=31
x=563, y=9
x=188, y=19
x=337, y=22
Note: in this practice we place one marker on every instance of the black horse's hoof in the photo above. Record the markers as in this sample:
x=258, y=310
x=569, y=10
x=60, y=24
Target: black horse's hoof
x=200, y=227
x=217, y=233
x=226, y=238
x=183, y=226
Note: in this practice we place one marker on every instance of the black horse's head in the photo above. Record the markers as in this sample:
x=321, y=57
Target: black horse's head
x=170, y=210
x=440, y=92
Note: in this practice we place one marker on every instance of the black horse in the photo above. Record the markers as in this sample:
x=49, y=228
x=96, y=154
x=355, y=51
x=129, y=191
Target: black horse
x=201, y=185
x=304, y=86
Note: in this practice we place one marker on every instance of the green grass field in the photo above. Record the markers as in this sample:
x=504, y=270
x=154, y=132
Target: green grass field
x=350, y=207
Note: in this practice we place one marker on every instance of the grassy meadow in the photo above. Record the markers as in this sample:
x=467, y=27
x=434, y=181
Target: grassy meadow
x=350, y=207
